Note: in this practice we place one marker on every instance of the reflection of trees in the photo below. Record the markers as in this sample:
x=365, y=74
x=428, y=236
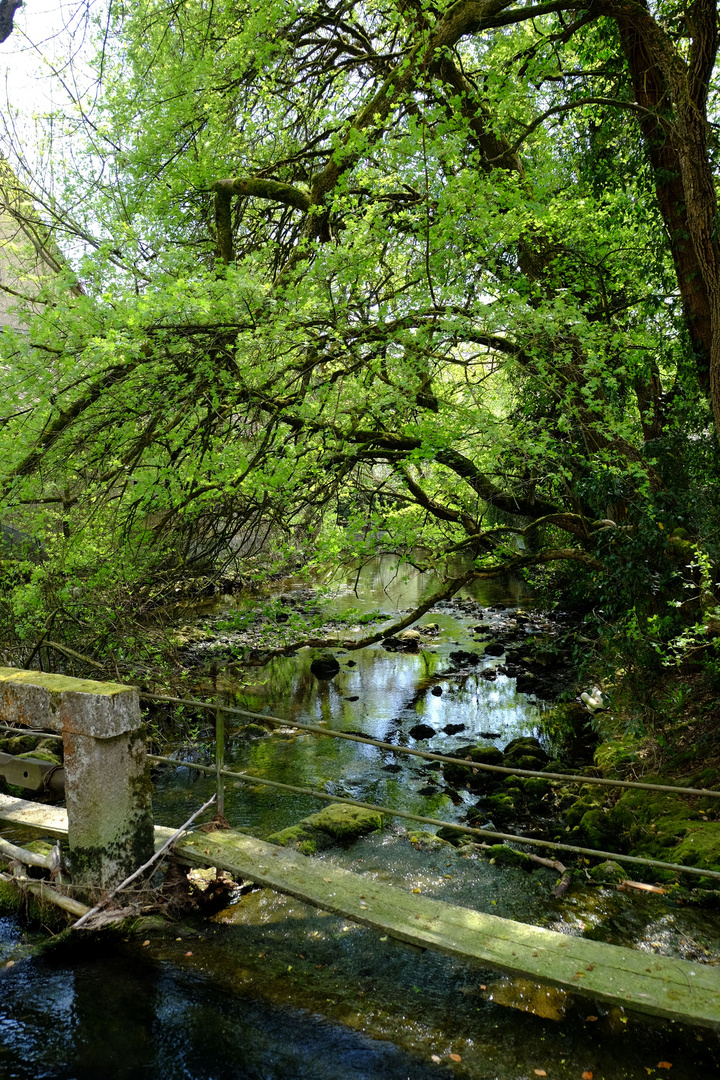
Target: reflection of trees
x=114, y=1011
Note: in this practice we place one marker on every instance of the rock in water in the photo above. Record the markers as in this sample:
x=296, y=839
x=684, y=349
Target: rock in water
x=422, y=731
x=325, y=667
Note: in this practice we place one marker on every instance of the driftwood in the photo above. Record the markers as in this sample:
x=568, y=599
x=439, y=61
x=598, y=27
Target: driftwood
x=45, y=893
x=29, y=858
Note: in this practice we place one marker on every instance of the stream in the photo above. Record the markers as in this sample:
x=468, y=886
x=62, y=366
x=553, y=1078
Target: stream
x=271, y=987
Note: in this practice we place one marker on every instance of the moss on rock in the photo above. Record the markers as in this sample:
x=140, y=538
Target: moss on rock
x=335, y=824
x=607, y=871
x=503, y=855
x=429, y=841
x=475, y=779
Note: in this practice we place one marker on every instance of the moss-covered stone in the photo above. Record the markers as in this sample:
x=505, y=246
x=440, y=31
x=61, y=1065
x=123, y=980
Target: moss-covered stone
x=607, y=871
x=502, y=808
x=596, y=829
x=526, y=746
x=507, y=856
x=454, y=838
x=42, y=755
x=429, y=841
x=302, y=837
x=536, y=788
x=700, y=846
x=253, y=731
x=528, y=762
x=619, y=750
x=335, y=824
x=476, y=779
x=574, y=813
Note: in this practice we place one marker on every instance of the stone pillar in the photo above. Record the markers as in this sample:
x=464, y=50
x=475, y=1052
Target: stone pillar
x=108, y=790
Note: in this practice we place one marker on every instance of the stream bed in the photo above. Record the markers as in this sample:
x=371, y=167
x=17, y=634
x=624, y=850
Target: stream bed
x=271, y=987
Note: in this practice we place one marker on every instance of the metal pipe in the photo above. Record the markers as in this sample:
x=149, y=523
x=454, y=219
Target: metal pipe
x=484, y=834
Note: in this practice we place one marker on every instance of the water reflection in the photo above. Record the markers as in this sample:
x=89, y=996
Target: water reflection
x=384, y=695
x=118, y=1015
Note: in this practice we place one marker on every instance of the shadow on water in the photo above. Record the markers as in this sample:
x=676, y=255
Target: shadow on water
x=112, y=1013
x=285, y=991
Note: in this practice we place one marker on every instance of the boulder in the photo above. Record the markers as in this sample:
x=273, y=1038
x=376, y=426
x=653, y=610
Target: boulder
x=325, y=667
x=422, y=731
x=495, y=648
x=464, y=658
x=335, y=824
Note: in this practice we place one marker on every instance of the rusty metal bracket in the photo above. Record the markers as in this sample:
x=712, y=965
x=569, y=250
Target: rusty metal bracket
x=32, y=774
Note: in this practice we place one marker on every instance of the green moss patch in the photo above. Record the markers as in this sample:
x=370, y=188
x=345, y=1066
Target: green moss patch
x=502, y=855
x=335, y=824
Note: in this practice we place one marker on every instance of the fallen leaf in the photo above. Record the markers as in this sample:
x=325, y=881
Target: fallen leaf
x=455, y=1057
x=435, y=1058
x=188, y=953
x=10, y=963
x=145, y=943
x=483, y=986
x=587, y=1075
x=539, y=1072
x=664, y=1065
x=416, y=890
x=591, y=1019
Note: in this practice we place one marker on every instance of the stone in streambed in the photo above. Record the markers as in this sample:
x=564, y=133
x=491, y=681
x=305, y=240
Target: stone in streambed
x=325, y=667
x=478, y=779
x=495, y=648
x=422, y=731
x=507, y=856
x=335, y=824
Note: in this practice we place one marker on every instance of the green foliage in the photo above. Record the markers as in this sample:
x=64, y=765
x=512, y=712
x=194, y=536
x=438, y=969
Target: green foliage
x=353, y=282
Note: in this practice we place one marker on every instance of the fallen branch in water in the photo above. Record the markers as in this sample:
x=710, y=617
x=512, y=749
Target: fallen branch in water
x=45, y=893
x=29, y=858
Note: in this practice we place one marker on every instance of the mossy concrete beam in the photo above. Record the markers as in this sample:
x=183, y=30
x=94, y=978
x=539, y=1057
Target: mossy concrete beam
x=108, y=791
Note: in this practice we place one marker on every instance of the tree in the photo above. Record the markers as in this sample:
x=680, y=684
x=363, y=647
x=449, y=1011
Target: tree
x=395, y=276
x=7, y=13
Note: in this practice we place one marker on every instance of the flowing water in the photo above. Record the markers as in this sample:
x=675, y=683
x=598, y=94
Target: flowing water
x=274, y=988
